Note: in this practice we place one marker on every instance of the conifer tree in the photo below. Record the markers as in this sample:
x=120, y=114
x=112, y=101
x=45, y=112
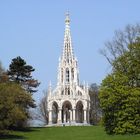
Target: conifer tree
x=20, y=73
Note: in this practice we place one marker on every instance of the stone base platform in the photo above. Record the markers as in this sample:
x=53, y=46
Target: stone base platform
x=67, y=124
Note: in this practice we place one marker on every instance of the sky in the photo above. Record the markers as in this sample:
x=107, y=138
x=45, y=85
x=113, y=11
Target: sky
x=34, y=30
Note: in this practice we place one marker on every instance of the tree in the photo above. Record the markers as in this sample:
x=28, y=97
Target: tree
x=120, y=90
x=42, y=112
x=120, y=42
x=20, y=73
x=95, y=110
x=120, y=104
x=129, y=63
x=14, y=105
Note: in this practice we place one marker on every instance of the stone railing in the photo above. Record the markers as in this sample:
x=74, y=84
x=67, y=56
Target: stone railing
x=64, y=97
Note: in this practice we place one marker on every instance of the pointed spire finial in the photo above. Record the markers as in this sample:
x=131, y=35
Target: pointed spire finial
x=67, y=19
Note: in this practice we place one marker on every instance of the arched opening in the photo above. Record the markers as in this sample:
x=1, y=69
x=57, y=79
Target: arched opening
x=67, y=75
x=66, y=112
x=54, y=112
x=68, y=91
x=72, y=72
x=62, y=92
x=79, y=93
x=79, y=112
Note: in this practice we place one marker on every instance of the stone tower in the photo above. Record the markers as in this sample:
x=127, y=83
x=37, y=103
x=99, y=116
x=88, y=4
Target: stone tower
x=68, y=103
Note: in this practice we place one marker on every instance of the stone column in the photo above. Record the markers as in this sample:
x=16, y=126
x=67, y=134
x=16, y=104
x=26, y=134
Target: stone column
x=50, y=117
x=59, y=116
x=85, y=116
x=73, y=115
x=64, y=118
x=88, y=116
x=70, y=116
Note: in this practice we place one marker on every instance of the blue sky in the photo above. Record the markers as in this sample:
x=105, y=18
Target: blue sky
x=34, y=30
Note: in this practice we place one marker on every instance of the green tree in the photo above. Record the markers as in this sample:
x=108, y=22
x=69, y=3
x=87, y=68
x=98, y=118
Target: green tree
x=14, y=105
x=120, y=92
x=120, y=104
x=15, y=94
x=20, y=73
x=129, y=63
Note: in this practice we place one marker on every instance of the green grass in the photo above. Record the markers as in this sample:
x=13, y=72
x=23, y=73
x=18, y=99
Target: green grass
x=68, y=133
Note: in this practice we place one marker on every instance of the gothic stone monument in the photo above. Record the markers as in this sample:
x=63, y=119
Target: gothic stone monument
x=68, y=103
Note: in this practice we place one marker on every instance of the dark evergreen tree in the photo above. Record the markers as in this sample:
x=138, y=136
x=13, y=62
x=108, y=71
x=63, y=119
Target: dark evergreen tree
x=20, y=73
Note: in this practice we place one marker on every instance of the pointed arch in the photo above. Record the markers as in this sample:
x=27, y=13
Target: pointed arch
x=72, y=73
x=54, y=112
x=67, y=75
x=66, y=111
x=79, y=112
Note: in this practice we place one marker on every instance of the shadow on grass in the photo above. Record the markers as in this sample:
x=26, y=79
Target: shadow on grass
x=12, y=134
x=31, y=129
x=12, y=137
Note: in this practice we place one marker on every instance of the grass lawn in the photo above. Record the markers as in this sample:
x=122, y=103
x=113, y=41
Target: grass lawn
x=68, y=133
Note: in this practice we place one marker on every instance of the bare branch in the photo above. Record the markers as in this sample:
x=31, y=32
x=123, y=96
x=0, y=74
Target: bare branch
x=42, y=112
x=120, y=42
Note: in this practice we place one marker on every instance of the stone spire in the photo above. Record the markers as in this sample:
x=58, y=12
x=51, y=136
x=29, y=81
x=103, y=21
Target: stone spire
x=68, y=102
x=67, y=46
x=68, y=73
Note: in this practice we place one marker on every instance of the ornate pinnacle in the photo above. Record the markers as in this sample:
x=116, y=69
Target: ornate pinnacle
x=67, y=20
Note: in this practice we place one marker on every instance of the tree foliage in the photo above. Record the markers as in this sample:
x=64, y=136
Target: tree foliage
x=120, y=92
x=14, y=105
x=129, y=63
x=20, y=73
x=15, y=100
x=120, y=104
